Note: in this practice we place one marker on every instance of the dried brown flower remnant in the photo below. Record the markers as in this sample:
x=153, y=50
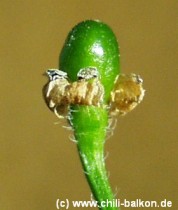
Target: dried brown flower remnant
x=59, y=93
x=127, y=94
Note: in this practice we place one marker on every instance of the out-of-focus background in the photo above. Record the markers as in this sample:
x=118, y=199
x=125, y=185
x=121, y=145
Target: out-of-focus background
x=38, y=162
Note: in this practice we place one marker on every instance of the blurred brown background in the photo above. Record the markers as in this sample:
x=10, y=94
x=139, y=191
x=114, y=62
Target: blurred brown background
x=38, y=162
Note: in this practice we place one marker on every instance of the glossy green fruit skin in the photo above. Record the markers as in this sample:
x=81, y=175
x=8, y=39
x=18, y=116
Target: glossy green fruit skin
x=92, y=43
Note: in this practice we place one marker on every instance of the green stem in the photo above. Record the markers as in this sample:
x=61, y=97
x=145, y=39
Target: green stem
x=90, y=134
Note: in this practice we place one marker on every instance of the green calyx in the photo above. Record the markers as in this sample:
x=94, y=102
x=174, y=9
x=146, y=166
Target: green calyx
x=92, y=44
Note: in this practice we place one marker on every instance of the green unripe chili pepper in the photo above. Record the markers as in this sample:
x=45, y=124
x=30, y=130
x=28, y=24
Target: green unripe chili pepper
x=92, y=44
x=89, y=90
